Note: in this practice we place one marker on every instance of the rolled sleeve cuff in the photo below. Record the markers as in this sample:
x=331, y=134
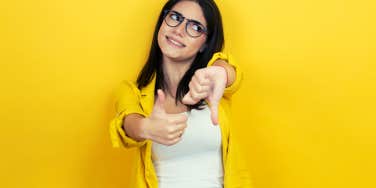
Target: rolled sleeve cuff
x=117, y=133
x=239, y=74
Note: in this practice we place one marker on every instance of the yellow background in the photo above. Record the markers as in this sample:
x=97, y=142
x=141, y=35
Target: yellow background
x=306, y=110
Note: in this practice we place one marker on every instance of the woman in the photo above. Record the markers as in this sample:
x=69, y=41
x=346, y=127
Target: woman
x=183, y=90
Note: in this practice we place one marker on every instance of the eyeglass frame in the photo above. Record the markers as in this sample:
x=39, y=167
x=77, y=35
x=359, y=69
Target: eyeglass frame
x=204, y=29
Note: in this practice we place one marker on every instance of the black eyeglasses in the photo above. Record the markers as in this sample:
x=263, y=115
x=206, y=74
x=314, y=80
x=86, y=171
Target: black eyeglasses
x=193, y=28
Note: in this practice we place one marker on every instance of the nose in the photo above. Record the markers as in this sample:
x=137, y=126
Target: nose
x=180, y=29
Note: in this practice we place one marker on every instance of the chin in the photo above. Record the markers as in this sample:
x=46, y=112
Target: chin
x=173, y=57
x=173, y=54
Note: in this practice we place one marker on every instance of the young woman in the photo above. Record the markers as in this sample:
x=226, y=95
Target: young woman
x=183, y=90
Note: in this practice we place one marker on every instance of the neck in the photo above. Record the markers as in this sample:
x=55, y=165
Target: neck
x=173, y=72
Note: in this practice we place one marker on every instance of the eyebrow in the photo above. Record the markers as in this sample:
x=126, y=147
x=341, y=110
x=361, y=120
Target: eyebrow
x=192, y=20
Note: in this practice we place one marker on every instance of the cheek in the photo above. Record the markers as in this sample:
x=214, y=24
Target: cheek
x=160, y=38
x=160, y=33
x=196, y=44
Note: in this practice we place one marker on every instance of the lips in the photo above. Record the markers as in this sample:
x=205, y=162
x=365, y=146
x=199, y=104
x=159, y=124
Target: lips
x=175, y=42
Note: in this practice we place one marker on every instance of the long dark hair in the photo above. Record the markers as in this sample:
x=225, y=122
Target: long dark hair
x=214, y=43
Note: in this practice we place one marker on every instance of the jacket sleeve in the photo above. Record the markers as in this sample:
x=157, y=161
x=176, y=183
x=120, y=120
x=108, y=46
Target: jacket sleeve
x=127, y=101
x=230, y=90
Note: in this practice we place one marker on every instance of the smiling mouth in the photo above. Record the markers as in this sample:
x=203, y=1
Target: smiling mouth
x=174, y=42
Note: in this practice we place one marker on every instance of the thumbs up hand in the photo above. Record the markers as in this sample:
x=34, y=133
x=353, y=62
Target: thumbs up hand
x=162, y=127
x=208, y=83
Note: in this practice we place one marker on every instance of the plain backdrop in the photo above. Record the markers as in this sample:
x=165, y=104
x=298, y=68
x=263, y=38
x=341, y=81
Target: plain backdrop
x=305, y=111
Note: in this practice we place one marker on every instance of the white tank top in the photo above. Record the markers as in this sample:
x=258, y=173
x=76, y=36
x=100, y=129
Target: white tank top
x=195, y=161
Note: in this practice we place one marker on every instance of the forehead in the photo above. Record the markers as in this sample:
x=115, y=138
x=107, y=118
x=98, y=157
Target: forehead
x=190, y=10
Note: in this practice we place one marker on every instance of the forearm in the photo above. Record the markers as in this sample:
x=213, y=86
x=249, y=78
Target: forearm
x=133, y=126
x=231, y=74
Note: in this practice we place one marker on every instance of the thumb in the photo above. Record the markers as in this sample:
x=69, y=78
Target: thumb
x=214, y=112
x=214, y=99
x=187, y=99
x=159, y=103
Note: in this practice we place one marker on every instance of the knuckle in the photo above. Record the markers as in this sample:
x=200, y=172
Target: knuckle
x=194, y=96
x=199, y=72
x=196, y=73
x=170, y=137
x=206, y=88
x=170, y=130
x=170, y=121
x=199, y=88
x=190, y=85
x=184, y=125
x=184, y=118
x=204, y=81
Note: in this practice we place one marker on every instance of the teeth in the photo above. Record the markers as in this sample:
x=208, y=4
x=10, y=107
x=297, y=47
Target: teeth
x=175, y=42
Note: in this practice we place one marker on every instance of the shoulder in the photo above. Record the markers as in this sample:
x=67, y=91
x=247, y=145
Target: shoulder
x=128, y=85
x=127, y=90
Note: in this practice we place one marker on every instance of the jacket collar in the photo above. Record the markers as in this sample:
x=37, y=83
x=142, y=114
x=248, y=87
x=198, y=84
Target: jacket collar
x=147, y=96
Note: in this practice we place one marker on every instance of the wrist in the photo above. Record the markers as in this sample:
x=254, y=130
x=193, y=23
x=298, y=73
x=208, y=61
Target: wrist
x=143, y=131
x=222, y=65
x=229, y=69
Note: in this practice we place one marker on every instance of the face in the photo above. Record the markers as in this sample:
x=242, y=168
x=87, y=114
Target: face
x=175, y=43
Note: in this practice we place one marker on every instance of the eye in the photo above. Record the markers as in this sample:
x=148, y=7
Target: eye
x=175, y=17
x=197, y=27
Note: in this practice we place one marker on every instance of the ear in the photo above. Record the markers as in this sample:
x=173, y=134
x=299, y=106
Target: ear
x=203, y=47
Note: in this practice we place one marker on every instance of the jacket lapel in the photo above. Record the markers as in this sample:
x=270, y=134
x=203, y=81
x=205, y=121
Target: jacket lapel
x=147, y=97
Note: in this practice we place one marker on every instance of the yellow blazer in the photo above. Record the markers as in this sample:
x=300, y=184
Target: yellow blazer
x=130, y=99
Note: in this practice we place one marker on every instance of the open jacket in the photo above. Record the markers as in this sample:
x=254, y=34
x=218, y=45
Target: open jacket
x=130, y=99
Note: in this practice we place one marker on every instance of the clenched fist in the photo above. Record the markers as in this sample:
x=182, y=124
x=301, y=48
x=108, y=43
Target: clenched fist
x=207, y=83
x=162, y=127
